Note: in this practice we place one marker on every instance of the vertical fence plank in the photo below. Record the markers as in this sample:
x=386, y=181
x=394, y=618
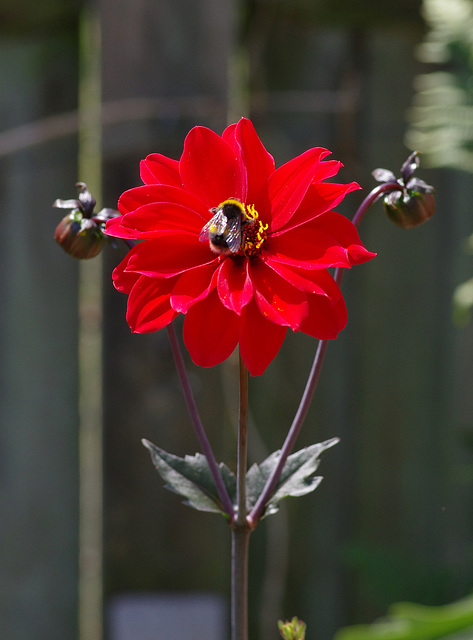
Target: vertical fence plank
x=173, y=56
x=38, y=343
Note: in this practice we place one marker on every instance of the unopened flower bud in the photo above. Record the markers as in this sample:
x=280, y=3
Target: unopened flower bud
x=80, y=233
x=412, y=206
x=411, y=201
x=79, y=237
x=292, y=630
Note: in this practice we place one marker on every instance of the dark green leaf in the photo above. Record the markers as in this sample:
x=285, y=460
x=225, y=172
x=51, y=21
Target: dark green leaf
x=296, y=478
x=190, y=478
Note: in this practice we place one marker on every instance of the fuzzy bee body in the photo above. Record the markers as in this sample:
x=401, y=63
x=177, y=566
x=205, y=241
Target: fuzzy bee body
x=224, y=231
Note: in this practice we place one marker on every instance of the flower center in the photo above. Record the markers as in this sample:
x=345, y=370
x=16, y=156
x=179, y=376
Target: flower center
x=254, y=232
x=234, y=230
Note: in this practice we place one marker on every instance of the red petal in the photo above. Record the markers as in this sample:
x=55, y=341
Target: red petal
x=326, y=317
x=344, y=232
x=139, y=196
x=255, y=162
x=122, y=280
x=234, y=285
x=310, y=281
x=288, y=185
x=113, y=227
x=192, y=286
x=159, y=169
x=169, y=255
x=277, y=299
x=260, y=339
x=210, y=331
x=229, y=136
x=330, y=240
x=209, y=168
x=148, y=305
x=153, y=219
x=327, y=169
x=305, y=250
x=320, y=197
x=327, y=313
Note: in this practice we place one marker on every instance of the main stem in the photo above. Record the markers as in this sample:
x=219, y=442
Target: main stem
x=240, y=540
x=241, y=530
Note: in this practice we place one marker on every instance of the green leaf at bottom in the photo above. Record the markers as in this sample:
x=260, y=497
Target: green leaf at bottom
x=190, y=477
x=409, y=621
x=296, y=478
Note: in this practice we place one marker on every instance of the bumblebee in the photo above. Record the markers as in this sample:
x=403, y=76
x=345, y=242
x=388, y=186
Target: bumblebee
x=225, y=230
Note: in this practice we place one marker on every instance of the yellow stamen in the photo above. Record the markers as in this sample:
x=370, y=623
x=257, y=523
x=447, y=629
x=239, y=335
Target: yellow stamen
x=254, y=233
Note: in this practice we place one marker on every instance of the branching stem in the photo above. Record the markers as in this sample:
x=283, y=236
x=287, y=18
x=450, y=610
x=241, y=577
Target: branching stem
x=307, y=396
x=197, y=423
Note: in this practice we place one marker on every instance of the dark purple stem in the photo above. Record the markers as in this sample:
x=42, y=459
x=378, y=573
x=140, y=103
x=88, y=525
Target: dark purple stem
x=240, y=529
x=196, y=421
x=304, y=405
x=291, y=437
x=371, y=198
x=195, y=417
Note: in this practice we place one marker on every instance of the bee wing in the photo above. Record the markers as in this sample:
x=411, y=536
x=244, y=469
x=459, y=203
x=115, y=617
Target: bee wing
x=233, y=236
x=205, y=232
x=215, y=226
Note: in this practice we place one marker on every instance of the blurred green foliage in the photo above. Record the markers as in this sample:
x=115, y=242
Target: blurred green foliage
x=441, y=119
x=407, y=621
x=411, y=577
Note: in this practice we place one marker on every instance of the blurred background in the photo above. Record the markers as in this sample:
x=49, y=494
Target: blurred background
x=87, y=90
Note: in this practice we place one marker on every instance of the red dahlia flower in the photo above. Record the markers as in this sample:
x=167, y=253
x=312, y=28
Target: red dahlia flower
x=239, y=247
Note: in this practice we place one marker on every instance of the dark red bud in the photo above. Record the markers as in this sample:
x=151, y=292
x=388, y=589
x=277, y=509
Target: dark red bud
x=411, y=207
x=79, y=237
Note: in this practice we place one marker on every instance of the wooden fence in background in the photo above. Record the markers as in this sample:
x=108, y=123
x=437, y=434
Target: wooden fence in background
x=393, y=518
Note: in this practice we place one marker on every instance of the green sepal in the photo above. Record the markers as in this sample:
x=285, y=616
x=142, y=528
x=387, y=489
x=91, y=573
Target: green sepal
x=296, y=478
x=190, y=477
